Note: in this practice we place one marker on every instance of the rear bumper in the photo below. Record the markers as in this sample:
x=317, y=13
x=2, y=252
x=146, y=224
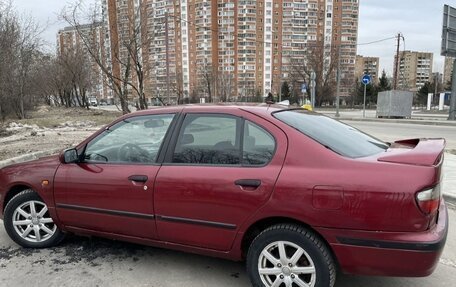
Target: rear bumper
x=411, y=254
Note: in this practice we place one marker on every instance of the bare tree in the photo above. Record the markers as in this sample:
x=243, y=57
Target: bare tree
x=178, y=89
x=125, y=68
x=8, y=34
x=27, y=56
x=43, y=80
x=19, y=54
x=207, y=78
x=58, y=84
x=323, y=61
x=215, y=84
x=79, y=70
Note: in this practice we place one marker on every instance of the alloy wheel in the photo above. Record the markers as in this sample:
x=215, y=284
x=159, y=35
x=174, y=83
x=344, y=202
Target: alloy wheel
x=285, y=264
x=32, y=222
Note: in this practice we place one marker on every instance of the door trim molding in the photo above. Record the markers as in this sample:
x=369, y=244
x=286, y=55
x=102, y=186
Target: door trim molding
x=105, y=211
x=148, y=216
x=196, y=222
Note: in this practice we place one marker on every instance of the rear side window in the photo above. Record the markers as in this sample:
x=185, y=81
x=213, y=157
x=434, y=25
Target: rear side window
x=341, y=138
x=208, y=140
x=259, y=145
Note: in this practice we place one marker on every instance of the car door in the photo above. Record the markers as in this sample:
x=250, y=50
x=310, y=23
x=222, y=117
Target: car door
x=221, y=169
x=111, y=189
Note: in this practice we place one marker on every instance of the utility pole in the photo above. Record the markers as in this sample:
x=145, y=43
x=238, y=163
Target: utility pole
x=338, y=81
x=436, y=83
x=280, y=77
x=396, y=66
x=448, y=49
x=452, y=115
x=276, y=32
x=167, y=58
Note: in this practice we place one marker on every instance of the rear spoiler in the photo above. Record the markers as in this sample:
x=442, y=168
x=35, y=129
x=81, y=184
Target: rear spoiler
x=426, y=152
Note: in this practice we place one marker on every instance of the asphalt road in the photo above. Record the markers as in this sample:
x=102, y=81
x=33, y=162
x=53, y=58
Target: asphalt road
x=395, y=131
x=85, y=262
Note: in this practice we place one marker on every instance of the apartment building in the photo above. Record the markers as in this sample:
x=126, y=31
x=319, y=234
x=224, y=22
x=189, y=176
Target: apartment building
x=69, y=40
x=415, y=69
x=341, y=32
x=367, y=65
x=129, y=27
x=231, y=50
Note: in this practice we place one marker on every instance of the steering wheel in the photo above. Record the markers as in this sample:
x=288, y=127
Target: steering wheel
x=130, y=152
x=97, y=157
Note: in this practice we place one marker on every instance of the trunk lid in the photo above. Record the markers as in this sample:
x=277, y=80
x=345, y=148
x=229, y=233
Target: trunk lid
x=424, y=152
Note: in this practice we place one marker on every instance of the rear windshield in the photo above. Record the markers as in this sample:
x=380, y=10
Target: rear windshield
x=341, y=138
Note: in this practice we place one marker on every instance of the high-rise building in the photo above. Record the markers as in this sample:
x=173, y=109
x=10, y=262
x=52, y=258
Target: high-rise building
x=448, y=70
x=415, y=69
x=69, y=40
x=225, y=50
x=344, y=34
x=367, y=65
x=129, y=47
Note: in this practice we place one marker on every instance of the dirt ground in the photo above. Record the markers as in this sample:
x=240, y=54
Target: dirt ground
x=50, y=129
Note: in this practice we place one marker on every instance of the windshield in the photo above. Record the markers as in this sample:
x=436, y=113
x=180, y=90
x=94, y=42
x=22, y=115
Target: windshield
x=341, y=138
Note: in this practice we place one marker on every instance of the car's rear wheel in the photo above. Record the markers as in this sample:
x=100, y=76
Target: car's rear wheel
x=288, y=255
x=28, y=222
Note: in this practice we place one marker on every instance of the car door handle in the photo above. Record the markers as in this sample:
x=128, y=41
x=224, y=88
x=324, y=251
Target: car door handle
x=253, y=183
x=138, y=178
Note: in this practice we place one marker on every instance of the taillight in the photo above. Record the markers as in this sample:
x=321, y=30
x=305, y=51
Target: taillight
x=429, y=199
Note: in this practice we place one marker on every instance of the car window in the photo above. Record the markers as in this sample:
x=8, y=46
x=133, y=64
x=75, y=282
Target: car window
x=133, y=140
x=259, y=145
x=341, y=138
x=208, y=139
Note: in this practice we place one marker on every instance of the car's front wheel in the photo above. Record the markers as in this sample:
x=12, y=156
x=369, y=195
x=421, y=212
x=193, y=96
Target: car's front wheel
x=288, y=255
x=28, y=222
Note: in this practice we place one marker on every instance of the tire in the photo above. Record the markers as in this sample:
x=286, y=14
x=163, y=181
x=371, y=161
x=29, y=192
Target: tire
x=305, y=260
x=28, y=223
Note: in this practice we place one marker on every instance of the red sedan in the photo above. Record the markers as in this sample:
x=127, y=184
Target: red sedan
x=294, y=193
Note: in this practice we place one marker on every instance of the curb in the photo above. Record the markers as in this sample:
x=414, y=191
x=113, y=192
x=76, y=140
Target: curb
x=450, y=199
x=398, y=121
x=27, y=157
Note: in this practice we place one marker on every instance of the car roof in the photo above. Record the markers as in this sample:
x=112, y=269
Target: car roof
x=259, y=109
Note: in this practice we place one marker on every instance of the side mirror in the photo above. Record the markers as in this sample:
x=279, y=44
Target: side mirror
x=70, y=156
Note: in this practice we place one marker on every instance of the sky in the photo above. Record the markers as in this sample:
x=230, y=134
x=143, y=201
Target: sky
x=419, y=21
x=45, y=12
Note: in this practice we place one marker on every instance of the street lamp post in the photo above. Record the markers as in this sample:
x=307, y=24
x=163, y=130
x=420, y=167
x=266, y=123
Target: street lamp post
x=167, y=58
x=338, y=82
x=313, y=76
